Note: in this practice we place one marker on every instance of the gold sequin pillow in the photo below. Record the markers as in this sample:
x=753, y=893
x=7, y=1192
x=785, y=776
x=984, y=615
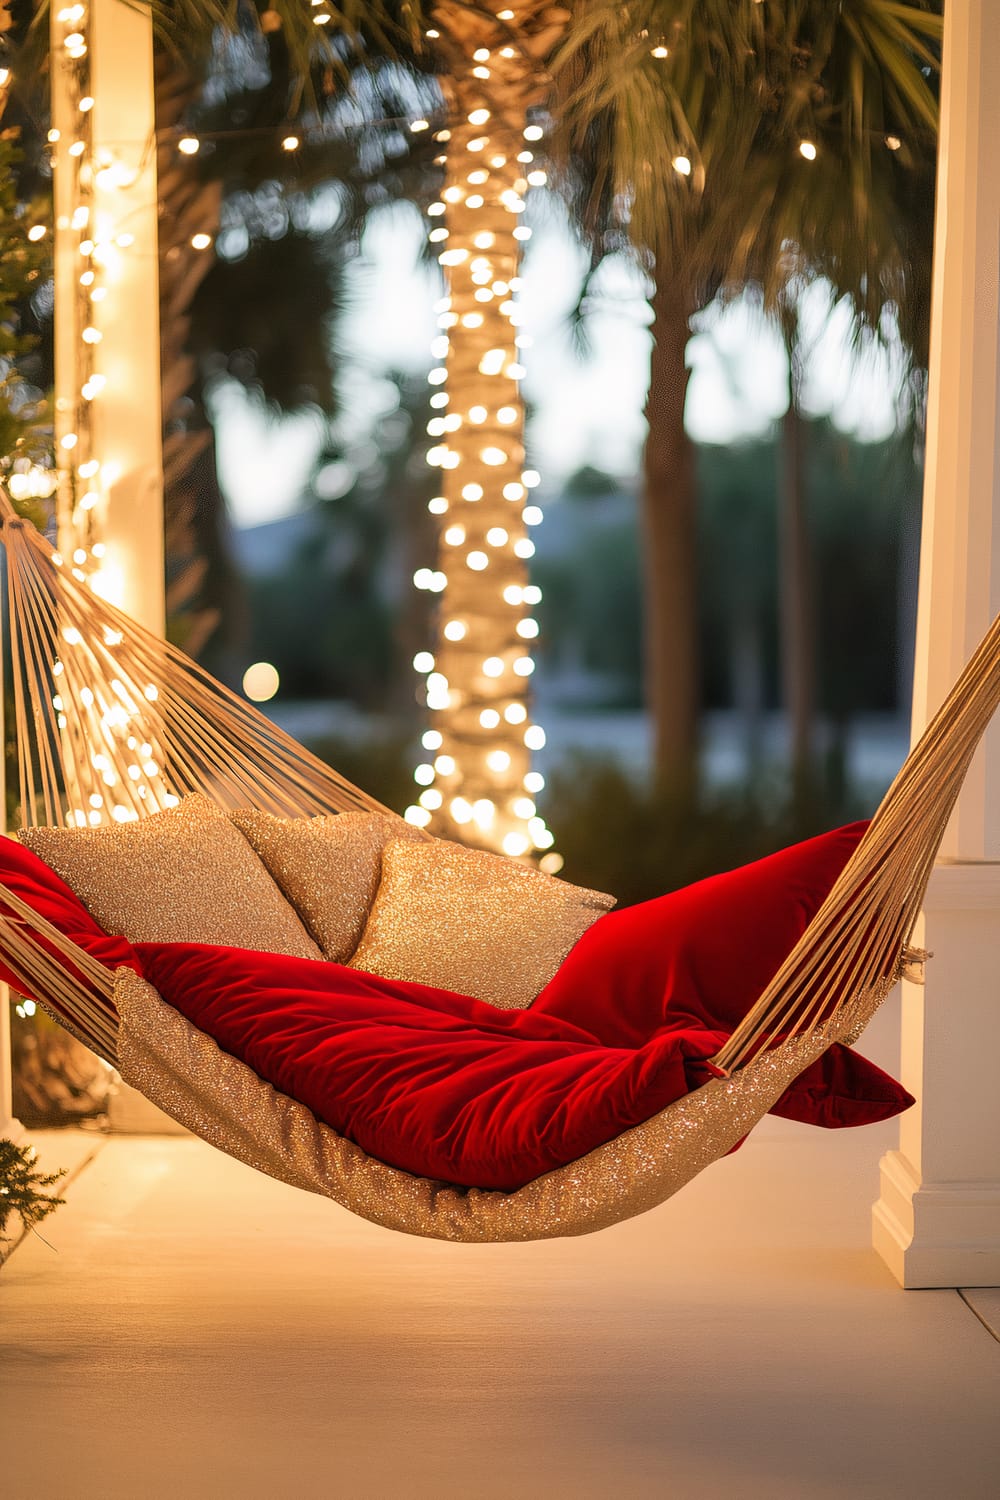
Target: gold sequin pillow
x=328, y=867
x=460, y=919
x=181, y=876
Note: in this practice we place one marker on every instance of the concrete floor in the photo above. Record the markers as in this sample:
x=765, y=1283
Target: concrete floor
x=199, y=1331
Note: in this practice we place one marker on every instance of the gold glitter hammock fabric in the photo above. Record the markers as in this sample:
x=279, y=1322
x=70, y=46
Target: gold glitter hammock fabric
x=104, y=710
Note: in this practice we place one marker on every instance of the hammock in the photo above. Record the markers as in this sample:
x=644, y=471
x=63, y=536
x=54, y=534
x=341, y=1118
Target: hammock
x=105, y=710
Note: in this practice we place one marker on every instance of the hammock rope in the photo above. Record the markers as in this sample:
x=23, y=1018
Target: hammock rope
x=69, y=984
x=863, y=928
x=112, y=722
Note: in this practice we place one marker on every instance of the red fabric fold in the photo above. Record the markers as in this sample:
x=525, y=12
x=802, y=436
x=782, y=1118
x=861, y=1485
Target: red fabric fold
x=30, y=878
x=436, y=1083
x=703, y=955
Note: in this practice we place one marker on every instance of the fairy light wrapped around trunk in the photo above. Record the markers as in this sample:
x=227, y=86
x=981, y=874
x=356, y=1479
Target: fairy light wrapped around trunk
x=477, y=783
x=109, y=510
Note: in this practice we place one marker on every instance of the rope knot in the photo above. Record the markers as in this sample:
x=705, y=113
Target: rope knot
x=911, y=964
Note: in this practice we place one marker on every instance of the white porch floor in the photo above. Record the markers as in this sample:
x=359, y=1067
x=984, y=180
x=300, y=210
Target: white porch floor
x=205, y=1333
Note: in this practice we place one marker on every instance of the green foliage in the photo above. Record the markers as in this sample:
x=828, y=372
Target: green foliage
x=21, y=1186
x=590, y=483
x=265, y=320
x=591, y=609
x=863, y=506
x=863, y=499
x=267, y=309
x=325, y=630
x=358, y=27
x=639, y=840
x=382, y=764
x=327, y=617
x=741, y=87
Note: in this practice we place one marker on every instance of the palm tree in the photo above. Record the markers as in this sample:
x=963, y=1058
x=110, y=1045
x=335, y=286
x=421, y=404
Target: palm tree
x=216, y=64
x=742, y=144
x=271, y=301
x=477, y=781
x=477, y=683
x=694, y=116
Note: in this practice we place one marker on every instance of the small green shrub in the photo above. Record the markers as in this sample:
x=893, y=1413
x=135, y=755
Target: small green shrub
x=21, y=1184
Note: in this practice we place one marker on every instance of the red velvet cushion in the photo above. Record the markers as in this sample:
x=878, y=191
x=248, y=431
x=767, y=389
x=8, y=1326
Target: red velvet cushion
x=703, y=955
x=436, y=1083
x=446, y=1086
x=29, y=877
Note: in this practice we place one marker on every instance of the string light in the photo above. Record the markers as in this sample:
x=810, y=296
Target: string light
x=113, y=722
x=476, y=683
x=808, y=150
x=479, y=677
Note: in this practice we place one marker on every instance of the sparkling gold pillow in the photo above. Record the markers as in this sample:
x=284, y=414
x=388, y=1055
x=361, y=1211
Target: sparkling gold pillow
x=328, y=867
x=478, y=923
x=181, y=876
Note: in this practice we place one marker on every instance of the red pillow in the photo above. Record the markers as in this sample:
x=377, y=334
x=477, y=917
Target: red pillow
x=29, y=877
x=703, y=955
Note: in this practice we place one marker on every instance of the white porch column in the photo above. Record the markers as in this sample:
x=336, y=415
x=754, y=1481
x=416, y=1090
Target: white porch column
x=106, y=228
x=937, y=1221
x=107, y=325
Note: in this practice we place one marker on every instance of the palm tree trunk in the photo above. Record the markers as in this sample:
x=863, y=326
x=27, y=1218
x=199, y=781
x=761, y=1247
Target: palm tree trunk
x=670, y=549
x=192, y=500
x=474, y=779
x=747, y=682
x=798, y=651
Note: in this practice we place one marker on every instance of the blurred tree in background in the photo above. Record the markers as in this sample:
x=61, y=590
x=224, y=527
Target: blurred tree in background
x=738, y=145
x=865, y=501
x=285, y=212
x=334, y=619
x=730, y=145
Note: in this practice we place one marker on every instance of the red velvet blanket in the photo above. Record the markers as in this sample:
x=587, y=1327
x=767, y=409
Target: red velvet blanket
x=434, y=1082
x=449, y=1087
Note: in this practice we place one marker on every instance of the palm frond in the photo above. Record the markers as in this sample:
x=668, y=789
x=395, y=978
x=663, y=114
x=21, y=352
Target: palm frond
x=742, y=86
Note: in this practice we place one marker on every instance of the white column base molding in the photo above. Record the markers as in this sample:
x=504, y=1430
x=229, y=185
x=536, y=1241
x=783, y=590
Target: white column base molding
x=937, y=1222
x=936, y=1234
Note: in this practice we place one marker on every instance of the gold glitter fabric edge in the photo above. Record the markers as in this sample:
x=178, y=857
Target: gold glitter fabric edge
x=183, y=1071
